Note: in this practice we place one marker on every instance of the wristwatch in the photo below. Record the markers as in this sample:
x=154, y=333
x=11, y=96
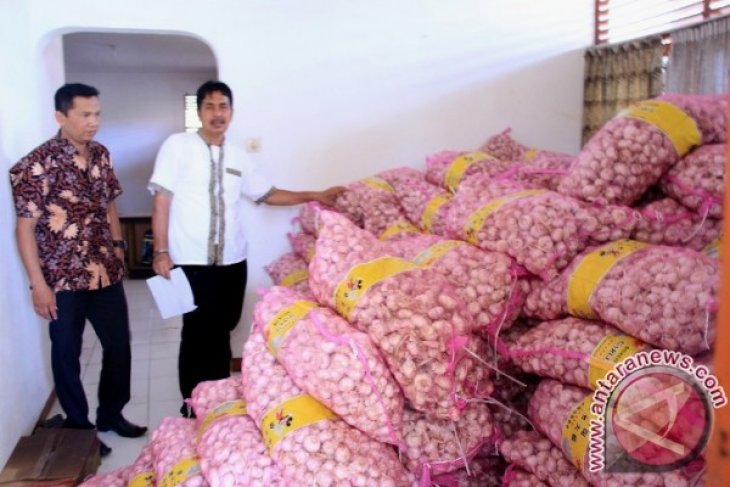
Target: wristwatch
x=120, y=244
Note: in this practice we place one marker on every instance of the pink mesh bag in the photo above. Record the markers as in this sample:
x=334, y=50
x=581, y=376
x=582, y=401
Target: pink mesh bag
x=449, y=169
x=666, y=222
x=534, y=453
x=332, y=361
x=540, y=229
x=115, y=478
x=362, y=195
x=175, y=460
x=412, y=314
x=488, y=282
x=424, y=204
x=504, y=147
x=632, y=151
x=664, y=296
x=435, y=446
x=290, y=270
x=309, y=443
x=308, y=217
x=303, y=244
x=483, y=471
x=698, y=180
x=572, y=350
x=517, y=477
x=229, y=444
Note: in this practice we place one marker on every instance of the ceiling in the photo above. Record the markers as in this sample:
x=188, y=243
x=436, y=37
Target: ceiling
x=117, y=52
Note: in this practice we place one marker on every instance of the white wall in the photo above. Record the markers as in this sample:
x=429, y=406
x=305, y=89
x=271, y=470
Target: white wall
x=335, y=89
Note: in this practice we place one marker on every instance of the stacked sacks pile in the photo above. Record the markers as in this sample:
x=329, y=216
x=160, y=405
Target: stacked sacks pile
x=229, y=444
x=309, y=443
x=330, y=360
x=587, y=299
x=412, y=314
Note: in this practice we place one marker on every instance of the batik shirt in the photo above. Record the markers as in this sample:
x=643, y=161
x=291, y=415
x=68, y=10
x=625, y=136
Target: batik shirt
x=70, y=198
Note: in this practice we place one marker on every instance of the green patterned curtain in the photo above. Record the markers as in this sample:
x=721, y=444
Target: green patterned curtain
x=617, y=76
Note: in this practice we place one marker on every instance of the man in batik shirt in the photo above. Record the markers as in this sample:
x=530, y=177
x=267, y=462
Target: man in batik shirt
x=69, y=239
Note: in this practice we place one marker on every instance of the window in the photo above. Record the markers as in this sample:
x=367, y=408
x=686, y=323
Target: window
x=621, y=20
x=192, y=122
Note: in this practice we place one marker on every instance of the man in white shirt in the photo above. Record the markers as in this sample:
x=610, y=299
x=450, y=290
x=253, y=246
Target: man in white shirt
x=197, y=184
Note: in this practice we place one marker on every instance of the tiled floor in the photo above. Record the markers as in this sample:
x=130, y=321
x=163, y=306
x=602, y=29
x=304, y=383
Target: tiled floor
x=155, y=392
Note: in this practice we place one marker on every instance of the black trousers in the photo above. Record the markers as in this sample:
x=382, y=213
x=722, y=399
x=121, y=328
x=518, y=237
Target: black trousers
x=205, y=347
x=106, y=310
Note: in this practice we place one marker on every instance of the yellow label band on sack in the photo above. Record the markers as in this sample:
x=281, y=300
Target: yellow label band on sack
x=142, y=479
x=281, y=324
x=295, y=277
x=181, y=471
x=362, y=277
x=669, y=119
x=576, y=432
x=435, y=252
x=476, y=220
x=224, y=410
x=610, y=351
x=590, y=271
x=377, y=183
x=713, y=248
x=458, y=166
x=431, y=208
x=297, y=412
x=530, y=154
x=401, y=226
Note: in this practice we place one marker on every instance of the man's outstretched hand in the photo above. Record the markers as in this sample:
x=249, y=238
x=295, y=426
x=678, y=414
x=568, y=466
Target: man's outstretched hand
x=329, y=195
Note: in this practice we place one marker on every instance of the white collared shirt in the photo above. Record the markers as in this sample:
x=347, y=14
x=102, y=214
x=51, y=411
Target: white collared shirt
x=205, y=225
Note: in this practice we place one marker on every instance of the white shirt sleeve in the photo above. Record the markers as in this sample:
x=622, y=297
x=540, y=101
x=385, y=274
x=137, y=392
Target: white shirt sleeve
x=255, y=184
x=167, y=166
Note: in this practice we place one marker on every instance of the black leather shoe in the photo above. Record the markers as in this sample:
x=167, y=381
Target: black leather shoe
x=123, y=428
x=104, y=450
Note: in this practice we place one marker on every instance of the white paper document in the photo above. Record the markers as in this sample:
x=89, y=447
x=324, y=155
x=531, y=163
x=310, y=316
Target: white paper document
x=174, y=296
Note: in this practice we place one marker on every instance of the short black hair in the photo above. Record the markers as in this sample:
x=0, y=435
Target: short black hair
x=64, y=97
x=212, y=86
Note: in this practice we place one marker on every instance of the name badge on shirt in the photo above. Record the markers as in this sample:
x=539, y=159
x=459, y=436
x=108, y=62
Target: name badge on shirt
x=235, y=172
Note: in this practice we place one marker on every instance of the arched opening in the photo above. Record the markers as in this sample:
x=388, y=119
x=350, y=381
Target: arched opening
x=147, y=84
